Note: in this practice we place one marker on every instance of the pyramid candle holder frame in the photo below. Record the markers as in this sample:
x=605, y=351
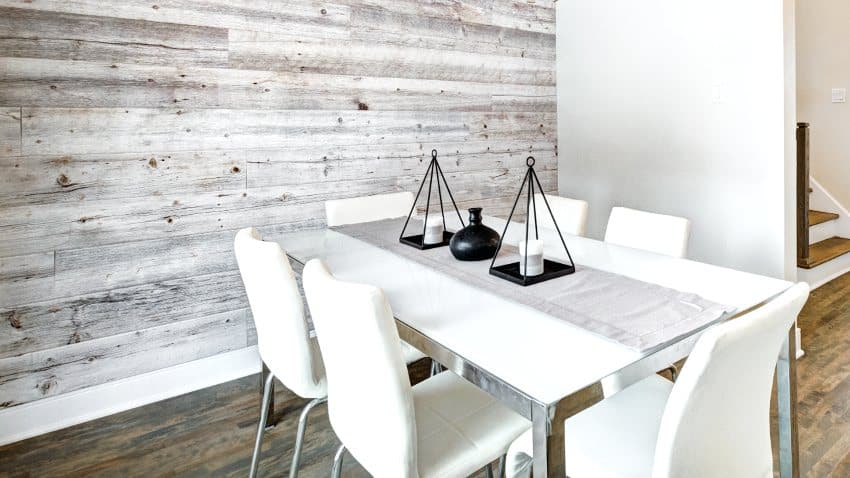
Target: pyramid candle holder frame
x=517, y=272
x=418, y=240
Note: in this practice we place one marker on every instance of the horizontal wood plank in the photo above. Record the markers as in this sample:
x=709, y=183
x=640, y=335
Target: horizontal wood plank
x=86, y=224
x=10, y=131
x=75, y=131
x=531, y=15
x=46, y=373
x=58, y=322
x=258, y=51
x=38, y=34
x=77, y=84
x=291, y=167
x=26, y=278
x=37, y=180
x=309, y=18
x=122, y=265
x=386, y=25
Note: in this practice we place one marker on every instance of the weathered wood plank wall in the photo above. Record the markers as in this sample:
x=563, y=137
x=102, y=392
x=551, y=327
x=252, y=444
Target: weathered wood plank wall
x=137, y=136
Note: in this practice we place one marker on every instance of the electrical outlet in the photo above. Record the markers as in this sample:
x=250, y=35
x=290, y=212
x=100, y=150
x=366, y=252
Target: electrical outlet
x=839, y=95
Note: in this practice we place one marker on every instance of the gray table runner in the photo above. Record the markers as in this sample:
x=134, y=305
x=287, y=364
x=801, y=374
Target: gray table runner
x=633, y=313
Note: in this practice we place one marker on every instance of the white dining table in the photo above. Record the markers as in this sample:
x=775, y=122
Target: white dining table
x=544, y=368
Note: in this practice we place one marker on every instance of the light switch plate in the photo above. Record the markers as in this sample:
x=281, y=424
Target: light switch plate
x=839, y=95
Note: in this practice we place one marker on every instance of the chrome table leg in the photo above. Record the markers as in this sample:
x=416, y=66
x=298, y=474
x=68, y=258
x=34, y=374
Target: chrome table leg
x=503, y=460
x=786, y=391
x=547, y=430
x=261, y=428
x=336, y=471
x=548, y=437
x=299, y=437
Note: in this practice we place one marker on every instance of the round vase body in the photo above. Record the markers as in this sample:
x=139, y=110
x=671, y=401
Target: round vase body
x=475, y=242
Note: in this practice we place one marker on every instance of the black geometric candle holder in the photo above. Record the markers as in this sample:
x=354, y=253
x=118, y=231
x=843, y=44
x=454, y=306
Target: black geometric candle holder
x=551, y=269
x=418, y=240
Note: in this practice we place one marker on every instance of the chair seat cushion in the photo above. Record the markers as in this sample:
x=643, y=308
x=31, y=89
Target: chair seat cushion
x=614, y=438
x=410, y=353
x=459, y=427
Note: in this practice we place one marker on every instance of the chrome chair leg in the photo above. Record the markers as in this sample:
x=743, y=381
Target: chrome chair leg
x=488, y=471
x=336, y=471
x=503, y=461
x=299, y=437
x=270, y=423
x=435, y=367
x=268, y=386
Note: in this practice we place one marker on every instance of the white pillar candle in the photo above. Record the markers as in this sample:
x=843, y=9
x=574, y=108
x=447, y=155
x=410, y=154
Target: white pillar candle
x=533, y=254
x=433, y=229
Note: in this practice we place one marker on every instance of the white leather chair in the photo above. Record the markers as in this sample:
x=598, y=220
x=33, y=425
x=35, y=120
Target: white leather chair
x=571, y=214
x=283, y=335
x=652, y=232
x=442, y=427
x=357, y=210
x=715, y=420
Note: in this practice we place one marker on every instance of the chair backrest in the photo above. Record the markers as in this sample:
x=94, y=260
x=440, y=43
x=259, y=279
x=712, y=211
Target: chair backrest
x=648, y=231
x=340, y=212
x=571, y=214
x=282, y=332
x=717, y=419
x=370, y=408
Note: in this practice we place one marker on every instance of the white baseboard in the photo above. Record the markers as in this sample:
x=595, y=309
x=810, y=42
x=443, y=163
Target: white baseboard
x=62, y=411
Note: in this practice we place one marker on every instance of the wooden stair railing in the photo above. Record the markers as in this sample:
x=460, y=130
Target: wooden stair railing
x=803, y=193
x=812, y=255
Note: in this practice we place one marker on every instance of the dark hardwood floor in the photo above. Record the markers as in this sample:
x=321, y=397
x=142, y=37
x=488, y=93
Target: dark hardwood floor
x=211, y=432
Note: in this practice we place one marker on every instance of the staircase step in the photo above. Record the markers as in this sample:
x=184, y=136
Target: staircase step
x=820, y=217
x=825, y=251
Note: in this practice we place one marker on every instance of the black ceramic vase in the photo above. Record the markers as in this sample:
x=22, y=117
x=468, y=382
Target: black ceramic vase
x=475, y=242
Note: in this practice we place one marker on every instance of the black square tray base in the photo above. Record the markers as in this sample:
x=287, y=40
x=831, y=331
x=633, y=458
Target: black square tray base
x=416, y=241
x=551, y=270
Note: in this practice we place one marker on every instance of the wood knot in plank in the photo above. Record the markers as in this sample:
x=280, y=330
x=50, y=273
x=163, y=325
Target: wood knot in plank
x=45, y=386
x=14, y=320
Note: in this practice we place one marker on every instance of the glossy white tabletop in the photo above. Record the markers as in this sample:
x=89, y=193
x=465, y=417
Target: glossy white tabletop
x=542, y=356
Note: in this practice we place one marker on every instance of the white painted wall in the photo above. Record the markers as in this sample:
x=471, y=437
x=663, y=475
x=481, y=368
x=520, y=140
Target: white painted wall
x=679, y=107
x=823, y=63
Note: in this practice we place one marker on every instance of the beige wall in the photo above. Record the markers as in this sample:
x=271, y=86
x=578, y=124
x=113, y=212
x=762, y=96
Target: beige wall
x=823, y=63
